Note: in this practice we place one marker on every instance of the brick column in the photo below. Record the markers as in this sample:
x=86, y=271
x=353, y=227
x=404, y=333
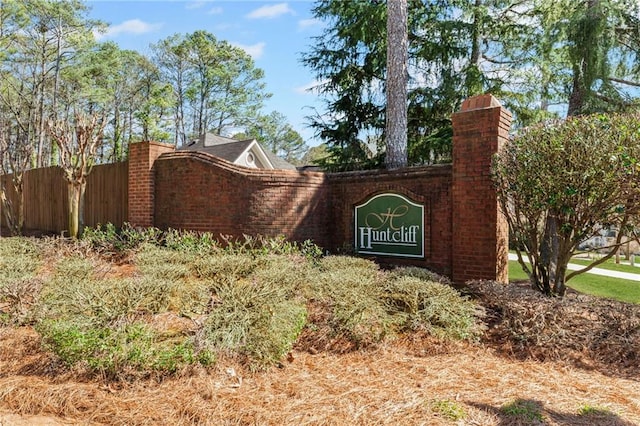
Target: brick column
x=142, y=155
x=480, y=231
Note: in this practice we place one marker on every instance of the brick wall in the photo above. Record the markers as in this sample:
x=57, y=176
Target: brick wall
x=429, y=186
x=465, y=234
x=200, y=192
x=142, y=156
x=480, y=231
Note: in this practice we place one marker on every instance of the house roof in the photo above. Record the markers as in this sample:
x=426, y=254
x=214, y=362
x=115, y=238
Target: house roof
x=231, y=149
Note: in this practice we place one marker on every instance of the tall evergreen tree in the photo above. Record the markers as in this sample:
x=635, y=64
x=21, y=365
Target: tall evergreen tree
x=397, y=75
x=448, y=47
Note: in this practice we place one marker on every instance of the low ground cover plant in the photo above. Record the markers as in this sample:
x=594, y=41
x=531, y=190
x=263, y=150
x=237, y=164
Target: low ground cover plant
x=177, y=300
x=128, y=303
x=19, y=285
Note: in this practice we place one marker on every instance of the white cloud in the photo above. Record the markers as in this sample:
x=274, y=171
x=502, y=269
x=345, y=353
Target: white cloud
x=269, y=12
x=194, y=5
x=215, y=11
x=133, y=26
x=254, y=50
x=303, y=24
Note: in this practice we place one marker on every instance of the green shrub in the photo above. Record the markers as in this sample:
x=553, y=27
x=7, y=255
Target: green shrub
x=430, y=306
x=116, y=351
x=71, y=342
x=19, y=259
x=369, y=304
x=190, y=241
x=99, y=321
x=291, y=272
x=108, y=239
x=275, y=332
x=163, y=263
x=103, y=238
x=352, y=287
x=224, y=266
x=254, y=318
x=249, y=300
x=20, y=298
x=261, y=245
x=76, y=291
x=105, y=301
x=421, y=273
x=19, y=286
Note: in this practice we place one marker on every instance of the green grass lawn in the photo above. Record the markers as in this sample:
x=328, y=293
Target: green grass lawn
x=596, y=285
x=610, y=265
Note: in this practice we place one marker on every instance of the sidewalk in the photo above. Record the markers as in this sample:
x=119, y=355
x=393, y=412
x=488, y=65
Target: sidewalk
x=595, y=271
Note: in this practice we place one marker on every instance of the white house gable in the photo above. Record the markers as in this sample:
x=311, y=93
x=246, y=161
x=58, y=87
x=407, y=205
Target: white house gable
x=254, y=157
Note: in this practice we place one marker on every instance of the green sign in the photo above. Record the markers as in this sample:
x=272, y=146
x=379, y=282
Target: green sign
x=389, y=225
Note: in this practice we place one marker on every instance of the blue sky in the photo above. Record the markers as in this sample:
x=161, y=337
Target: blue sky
x=274, y=33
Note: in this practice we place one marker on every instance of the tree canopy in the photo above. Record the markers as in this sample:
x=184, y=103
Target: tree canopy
x=274, y=132
x=216, y=86
x=52, y=65
x=53, y=70
x=543, y=58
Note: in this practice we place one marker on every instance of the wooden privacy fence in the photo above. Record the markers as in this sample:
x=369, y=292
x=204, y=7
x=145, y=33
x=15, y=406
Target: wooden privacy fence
x=45, y=197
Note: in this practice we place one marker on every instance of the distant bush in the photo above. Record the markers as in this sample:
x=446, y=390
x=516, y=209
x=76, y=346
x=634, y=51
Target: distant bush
x=107, y=239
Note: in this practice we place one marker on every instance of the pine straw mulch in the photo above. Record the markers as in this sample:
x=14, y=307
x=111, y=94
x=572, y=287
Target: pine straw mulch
x=585, y=331
x=397, y=383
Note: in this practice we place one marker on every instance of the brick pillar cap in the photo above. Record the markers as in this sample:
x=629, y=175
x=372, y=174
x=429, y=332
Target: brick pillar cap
x=480, y=102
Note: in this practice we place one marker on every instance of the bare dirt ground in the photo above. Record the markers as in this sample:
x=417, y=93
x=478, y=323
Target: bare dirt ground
x=396, y=384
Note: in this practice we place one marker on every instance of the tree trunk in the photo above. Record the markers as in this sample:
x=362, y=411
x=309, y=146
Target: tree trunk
x=549, y=251
x=559, y=286
x=40, y=152
x=19, y=187
x=473, y=79
x=397, y=76
x=578, y=91
x=7, y=209
x=76, y=209
x=586, y=59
